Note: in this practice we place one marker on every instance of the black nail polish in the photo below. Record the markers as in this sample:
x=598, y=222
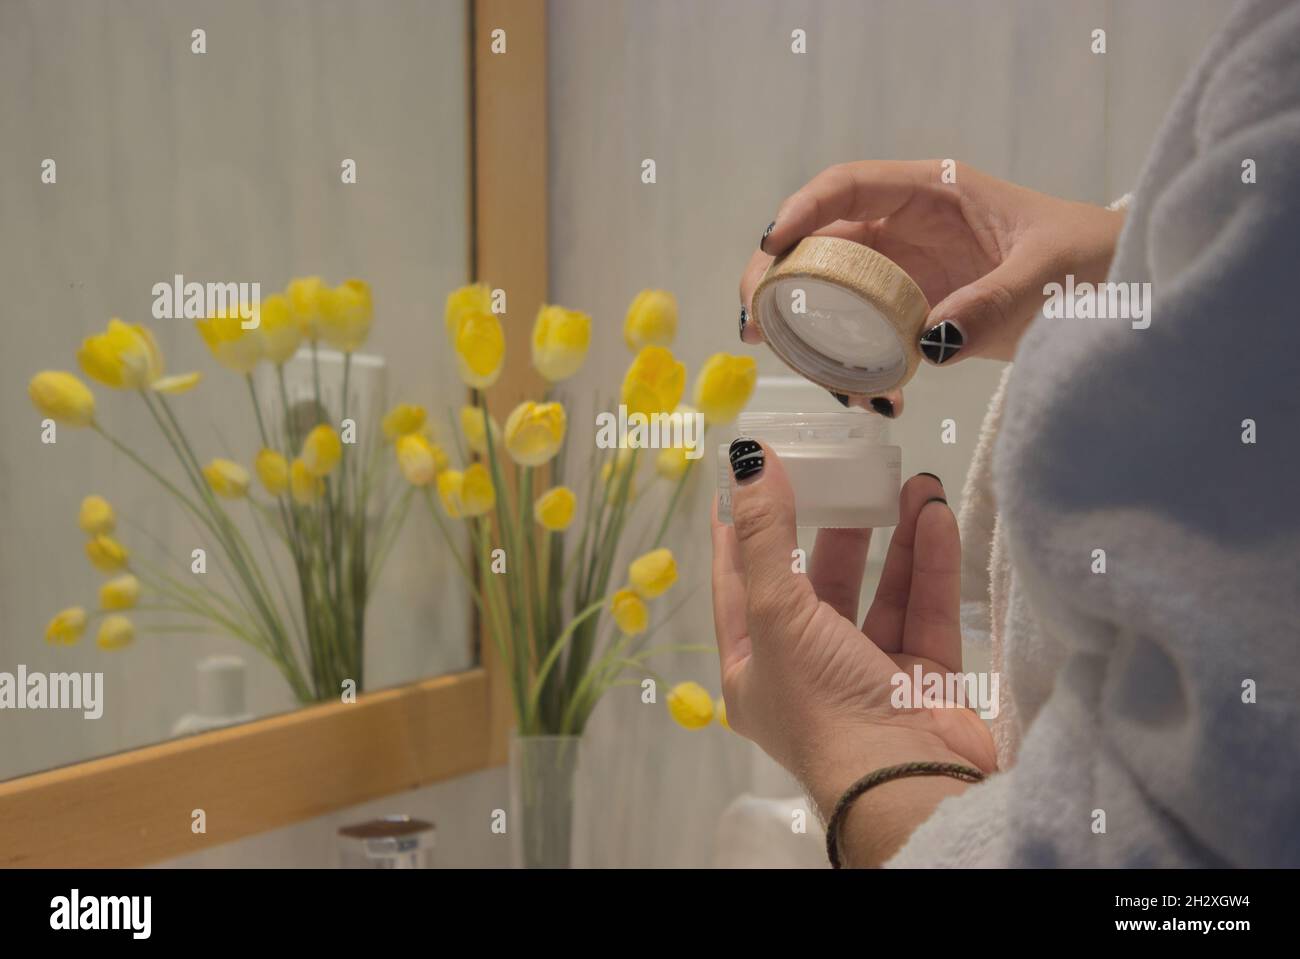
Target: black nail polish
x=766, y=233
x=841, y=399
x=932, y=476
x=746, y=458
x=934, y=499
x=941, y=343
x=882, y=406
x=744, y=318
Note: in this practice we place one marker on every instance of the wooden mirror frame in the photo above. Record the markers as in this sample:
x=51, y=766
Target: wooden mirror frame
x=134, y=808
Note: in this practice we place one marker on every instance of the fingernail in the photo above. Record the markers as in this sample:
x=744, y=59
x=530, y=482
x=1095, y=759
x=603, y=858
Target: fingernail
x=934, y=499
x=746, y=459
x=932, y=476
x=744, y=318
x=766, y=233
x=882, y=406
x=941, y=343
x=841, y=399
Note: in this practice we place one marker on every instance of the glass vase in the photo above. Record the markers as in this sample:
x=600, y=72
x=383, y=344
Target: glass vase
x=545, y=786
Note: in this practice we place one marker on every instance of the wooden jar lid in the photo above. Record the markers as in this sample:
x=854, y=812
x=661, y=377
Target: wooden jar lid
x=842, y=315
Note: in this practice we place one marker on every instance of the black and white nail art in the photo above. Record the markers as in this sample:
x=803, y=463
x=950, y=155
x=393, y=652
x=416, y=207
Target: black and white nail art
x=744, y=318
x=746, y=458
x=766, y=233
x=941, y=343
x=883, y=406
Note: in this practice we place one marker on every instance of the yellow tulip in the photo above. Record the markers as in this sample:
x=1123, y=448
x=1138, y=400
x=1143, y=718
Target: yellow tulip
x=691, y=705
x=96, y=516
x=450, y=483
x=66, y=627
x=281, y=335
x=651, y=320
x=653, y=573
x=554, y=509
x=106, y=554
x=304, y=296
x=116, y=632
x=534, y=432
x=125, y=357
x=303, y=486
x=461, y=302
x=235, y=348
x=402, y=419
x=273, y=470
x=477, y=425
x=419, y=460
x=654, y=383
x=560, y=341
x=630, y=612
x=322, y=450
x=477, y=495
x=672, y=462
x=227, y=478
x=180, y=383
x=346, y=312
x=724, y=385
x=720, y=707
x=62, y=397
x=120, y=593
x=480, y=346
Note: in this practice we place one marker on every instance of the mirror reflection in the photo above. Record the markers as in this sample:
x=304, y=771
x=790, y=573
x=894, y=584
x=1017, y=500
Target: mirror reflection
x=228, y=263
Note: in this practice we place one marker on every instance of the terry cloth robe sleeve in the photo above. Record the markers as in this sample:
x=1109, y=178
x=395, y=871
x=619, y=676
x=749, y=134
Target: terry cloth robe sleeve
x=1167, y=732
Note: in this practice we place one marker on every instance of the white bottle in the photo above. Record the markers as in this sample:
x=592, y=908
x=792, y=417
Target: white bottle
x=220, y=697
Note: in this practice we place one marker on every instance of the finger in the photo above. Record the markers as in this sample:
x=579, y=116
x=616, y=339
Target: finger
x=986, y=317
x=838, y=561
x=888, y=613
x=863, y=191
x=933, y=627
x=757, y=266
x=728, y=595
x=778, y=601
x=888, y=404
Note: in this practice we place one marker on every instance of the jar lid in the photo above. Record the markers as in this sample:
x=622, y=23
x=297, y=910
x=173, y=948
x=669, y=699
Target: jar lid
x=390, y=836
x=842, y=315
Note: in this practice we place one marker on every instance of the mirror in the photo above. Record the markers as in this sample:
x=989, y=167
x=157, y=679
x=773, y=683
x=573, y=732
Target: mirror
x=188, y=167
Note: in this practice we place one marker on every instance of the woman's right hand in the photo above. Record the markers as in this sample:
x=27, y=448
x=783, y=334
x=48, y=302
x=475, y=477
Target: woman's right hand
x=981, y=249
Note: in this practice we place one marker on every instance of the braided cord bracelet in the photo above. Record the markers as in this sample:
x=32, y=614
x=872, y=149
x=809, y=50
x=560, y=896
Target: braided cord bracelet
x=903, y=771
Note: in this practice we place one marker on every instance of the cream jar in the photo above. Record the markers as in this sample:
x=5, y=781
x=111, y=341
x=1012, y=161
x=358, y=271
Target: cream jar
x=843, y=470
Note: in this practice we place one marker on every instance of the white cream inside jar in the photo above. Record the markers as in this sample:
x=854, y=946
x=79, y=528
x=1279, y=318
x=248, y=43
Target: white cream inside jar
x=841, y=466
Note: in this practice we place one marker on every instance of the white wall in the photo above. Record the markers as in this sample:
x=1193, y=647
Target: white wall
x=221, y=166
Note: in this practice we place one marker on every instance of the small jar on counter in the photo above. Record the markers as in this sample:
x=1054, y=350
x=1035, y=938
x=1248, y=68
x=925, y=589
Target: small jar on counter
x=393, y=842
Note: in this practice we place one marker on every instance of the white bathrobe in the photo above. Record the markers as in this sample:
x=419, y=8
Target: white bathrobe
x=1150, y=712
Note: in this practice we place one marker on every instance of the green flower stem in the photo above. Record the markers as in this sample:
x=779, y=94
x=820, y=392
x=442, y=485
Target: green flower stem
x=166, y=483
x=227, y=533
x=672, y=503
x=446, y=535
x=493, y=594
x=544, y=670
x=519, y=621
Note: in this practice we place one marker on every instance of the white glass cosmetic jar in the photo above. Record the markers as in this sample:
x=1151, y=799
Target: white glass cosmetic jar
x=842, y=469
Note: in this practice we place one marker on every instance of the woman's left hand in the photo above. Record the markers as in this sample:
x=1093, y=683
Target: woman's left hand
x=802, y=680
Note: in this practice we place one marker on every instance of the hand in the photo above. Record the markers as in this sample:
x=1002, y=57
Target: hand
x=811, y=688
x=981, y=249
